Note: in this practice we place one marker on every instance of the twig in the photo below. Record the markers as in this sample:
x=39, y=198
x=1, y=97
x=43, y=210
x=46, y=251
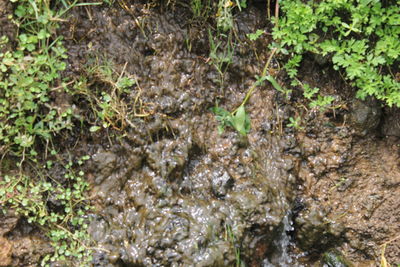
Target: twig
x=277, y=13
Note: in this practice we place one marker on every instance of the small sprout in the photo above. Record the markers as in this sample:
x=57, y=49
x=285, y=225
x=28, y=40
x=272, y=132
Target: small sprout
x=254, y=36
x=295, y=123
x=94, y=129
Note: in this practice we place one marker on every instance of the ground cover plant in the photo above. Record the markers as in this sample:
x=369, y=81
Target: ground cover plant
x=360, y=38
x=29, y=119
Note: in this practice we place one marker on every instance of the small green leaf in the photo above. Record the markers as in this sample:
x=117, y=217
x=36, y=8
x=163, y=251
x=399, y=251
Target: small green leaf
x=274, y=83
x=94, y=129
x=255, y=36
x=239, y=121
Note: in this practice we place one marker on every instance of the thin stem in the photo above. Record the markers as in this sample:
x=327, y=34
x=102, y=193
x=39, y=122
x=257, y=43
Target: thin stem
x=254, y=86
x=277, y=13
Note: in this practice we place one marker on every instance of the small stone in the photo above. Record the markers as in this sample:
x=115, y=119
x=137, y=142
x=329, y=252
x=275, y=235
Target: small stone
x=221, y=182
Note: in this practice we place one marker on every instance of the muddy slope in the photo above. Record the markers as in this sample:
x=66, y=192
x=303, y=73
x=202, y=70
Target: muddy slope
x=349, y=176
x=171, y=191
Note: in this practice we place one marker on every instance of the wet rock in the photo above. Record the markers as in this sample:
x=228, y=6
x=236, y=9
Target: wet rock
x=105, y=163
x=391, y=122
x=8, y=221
x=29, y=249
x=333, y=258
x=314, y=231
x=171, y=203
x=221, y=182
x=168, y=157
x=365, y=115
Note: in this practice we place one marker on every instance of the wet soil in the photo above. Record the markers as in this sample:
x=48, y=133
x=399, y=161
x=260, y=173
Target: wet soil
x=170, y=191
x=7, y=28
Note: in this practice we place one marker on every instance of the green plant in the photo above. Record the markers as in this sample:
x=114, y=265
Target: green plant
x=107, y=102
x=28, y=76
x=64, y=222
x=360, y=37
x=276, y=85
x=317, y=101
x=224, y=14
x=196, y=6
x=25, y=83
x=221, y=55
x=30, y=84
x=201, y=8
x=230, y=236
x=295, y=123
x=254, y=36
x=238, y=119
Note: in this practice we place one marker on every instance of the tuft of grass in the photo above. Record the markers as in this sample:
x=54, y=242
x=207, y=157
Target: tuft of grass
x=108, y=104
x=230, y=236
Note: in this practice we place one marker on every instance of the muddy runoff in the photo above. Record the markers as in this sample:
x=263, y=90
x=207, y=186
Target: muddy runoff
x=172, y=191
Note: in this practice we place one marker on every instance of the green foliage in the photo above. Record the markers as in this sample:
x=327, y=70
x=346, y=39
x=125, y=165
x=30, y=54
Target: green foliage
x=316, y=100
x=201, y=8
x=221, y=54
x=295, y=123
x=361, y=38
x=27, y=76
x=65, y=225
x=29, y=85
x=254, y=36
x=108, y=104
x=224, y=14
x=239, y=119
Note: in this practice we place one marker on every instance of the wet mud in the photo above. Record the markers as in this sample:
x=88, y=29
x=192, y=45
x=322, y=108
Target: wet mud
x=7, y=28
x=170, y=190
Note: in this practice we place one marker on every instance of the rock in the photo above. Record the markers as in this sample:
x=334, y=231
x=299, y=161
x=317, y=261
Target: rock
x=391, y=122
x=8, y=222
x=365, y=115
x=105, y=163
x=314, y=231
x=334, y=258
x=221, y=182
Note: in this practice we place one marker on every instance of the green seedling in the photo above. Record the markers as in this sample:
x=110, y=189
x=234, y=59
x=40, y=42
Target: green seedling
x=221, y=56
x=254, y=36
x=295, y=123
x=239, y=119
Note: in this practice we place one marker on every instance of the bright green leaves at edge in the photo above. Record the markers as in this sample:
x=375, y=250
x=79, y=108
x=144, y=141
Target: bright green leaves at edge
x=28, y=75
x=361, y=38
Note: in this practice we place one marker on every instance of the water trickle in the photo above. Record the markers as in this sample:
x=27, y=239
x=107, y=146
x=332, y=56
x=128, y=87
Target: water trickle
x=281, y=254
